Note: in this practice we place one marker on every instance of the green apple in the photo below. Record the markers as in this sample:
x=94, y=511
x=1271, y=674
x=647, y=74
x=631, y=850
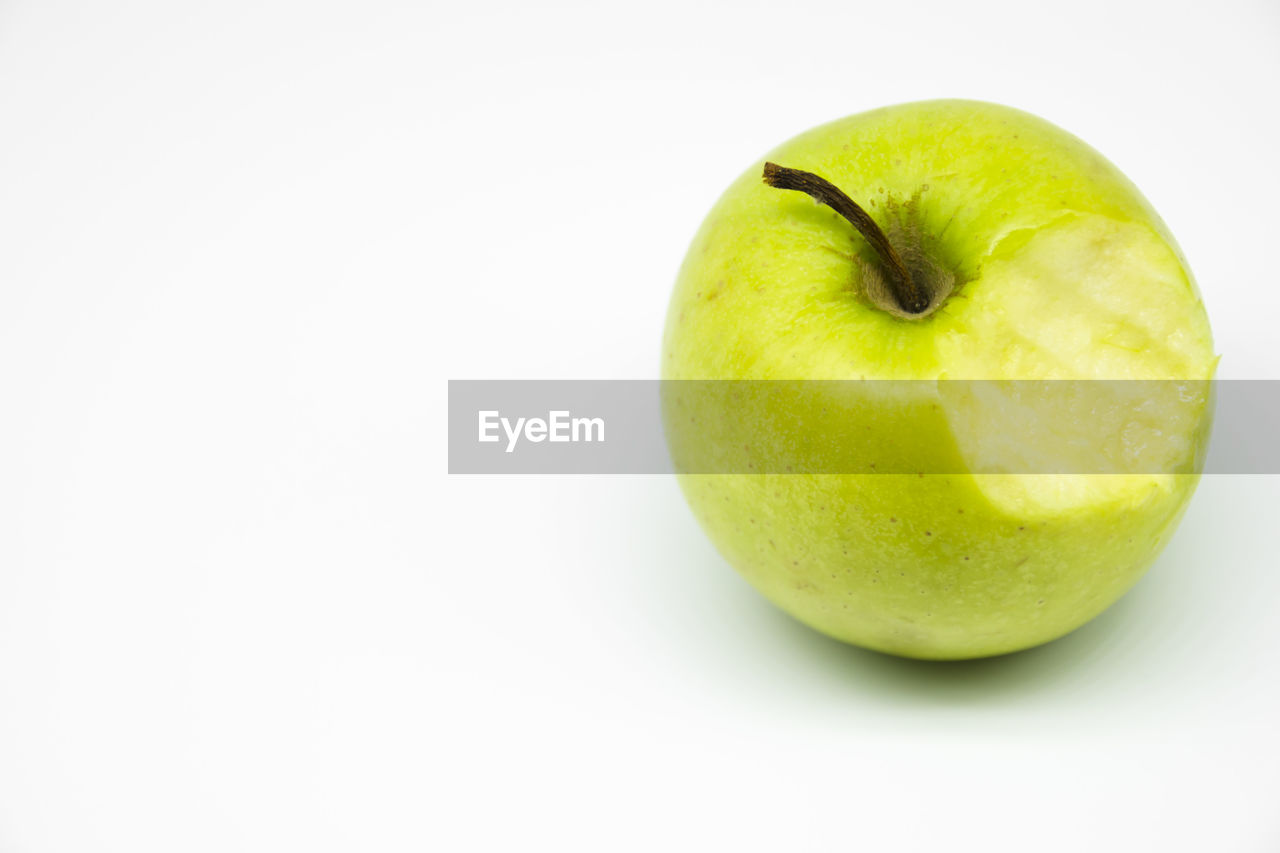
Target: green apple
x=993, y=246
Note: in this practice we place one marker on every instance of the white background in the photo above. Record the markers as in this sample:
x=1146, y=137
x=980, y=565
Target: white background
x=243, y=606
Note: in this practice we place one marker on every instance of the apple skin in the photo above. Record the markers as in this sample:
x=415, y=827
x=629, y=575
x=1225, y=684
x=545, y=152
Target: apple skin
x=1065, y=272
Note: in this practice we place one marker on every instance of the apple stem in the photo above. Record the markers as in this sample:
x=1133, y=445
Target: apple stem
x=910, y=296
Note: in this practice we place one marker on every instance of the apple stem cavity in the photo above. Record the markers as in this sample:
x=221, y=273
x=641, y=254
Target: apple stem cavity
x=912, y=298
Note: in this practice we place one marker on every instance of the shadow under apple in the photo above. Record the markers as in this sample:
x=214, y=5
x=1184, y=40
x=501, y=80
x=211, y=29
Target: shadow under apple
x=1162, y=641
